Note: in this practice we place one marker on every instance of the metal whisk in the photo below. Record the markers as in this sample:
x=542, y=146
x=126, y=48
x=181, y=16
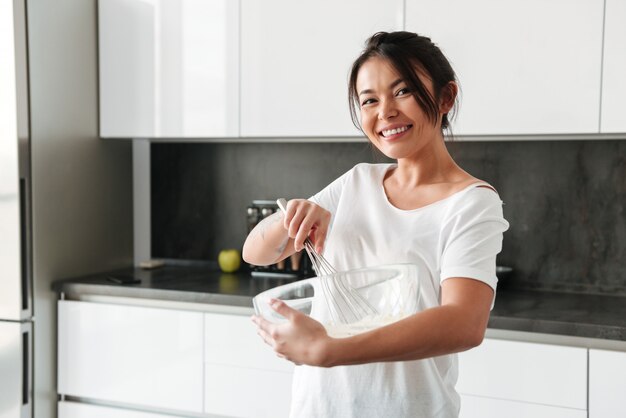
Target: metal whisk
x=344, y=303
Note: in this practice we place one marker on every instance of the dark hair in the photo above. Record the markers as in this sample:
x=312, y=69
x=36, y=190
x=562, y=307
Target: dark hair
x=406, y=52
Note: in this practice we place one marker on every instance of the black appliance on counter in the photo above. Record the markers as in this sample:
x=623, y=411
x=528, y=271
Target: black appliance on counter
x=298, y=266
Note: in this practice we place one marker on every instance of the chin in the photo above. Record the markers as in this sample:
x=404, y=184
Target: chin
x=391, y=151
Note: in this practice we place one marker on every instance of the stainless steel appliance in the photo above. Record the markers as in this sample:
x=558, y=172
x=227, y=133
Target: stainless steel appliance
x=16, y=311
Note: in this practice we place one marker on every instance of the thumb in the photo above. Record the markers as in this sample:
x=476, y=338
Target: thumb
x=283, y=309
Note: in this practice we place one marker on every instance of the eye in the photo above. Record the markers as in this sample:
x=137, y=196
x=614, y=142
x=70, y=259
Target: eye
x=403, y=91
x=368, y=101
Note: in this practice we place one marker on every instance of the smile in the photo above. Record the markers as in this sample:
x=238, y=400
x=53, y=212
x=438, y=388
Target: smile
x=395, y=131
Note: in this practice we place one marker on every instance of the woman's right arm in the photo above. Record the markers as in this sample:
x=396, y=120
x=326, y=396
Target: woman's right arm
x=268, y=242
x=277, y=237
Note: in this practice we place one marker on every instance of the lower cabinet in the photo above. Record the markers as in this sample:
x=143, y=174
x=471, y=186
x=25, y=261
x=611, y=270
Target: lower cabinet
x=478, y=407
x=126, y=361
x=607, y=384
x=534, y=380
x=122, y=359
x=243, y=376
x=130, y=354
x=83, y=410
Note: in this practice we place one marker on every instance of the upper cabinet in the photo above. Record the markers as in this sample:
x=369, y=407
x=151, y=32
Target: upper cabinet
x=614, y=68
x=169, y=68
x=525, y=67
x=295, y=60
x=279, y=69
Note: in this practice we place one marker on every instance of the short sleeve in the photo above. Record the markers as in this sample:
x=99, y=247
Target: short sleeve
x=472, y=238
x=329, y=197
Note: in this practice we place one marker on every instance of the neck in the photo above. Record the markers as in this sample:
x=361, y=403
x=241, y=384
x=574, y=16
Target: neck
x=431, y=164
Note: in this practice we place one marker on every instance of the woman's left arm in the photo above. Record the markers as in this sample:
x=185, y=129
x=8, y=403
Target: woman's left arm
x=457, y=325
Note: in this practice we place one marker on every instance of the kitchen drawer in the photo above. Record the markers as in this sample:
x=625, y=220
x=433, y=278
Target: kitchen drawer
x=243, y=392
x=130, y=354
x=478, y=407
x=232, y=340
x=607, y=384
x=525, y=372
x=83, y=410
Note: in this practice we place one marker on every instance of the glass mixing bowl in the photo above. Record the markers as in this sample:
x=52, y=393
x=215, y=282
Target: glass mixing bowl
x=350, y=302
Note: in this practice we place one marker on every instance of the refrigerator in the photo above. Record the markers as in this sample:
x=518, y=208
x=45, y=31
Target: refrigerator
x=16, y=307
x=66, y=196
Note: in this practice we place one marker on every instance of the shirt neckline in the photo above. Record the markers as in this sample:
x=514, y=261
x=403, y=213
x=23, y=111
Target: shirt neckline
x=421, y=208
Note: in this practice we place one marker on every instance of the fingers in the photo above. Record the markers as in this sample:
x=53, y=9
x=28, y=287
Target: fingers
x=297, y=228
x=320, y=239
x=283, y=309
x=263, y=324
x=303, y=218
x=264, y=330
x=266, y=337
x=305, y=229
x=269, y=331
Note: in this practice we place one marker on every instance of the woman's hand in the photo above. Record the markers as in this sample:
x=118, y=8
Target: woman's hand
x=303, y=219
x=301, y=340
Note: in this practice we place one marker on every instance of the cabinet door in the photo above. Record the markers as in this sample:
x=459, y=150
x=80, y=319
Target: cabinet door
x=614, y=67
x=136, y=355
x=525, y=372
x=479, y=407
x=295, y=60
x=240, y=366
x=169, y=68
x=607, y=384
x=525, y=67
x=16, y=365
x=82, y=410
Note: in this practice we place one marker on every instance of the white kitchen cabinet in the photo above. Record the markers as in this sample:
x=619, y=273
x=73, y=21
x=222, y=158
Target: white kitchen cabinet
x=525, y=67
x=525, y=372
x=83, y=410
x=480, y=407
x=607, y=384
x=135, y=355
x=614, y=68
x=169, y=68
x=243, y=376
x=295, y=61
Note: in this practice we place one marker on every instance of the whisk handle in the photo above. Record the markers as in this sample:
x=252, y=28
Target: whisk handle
x=282, y=204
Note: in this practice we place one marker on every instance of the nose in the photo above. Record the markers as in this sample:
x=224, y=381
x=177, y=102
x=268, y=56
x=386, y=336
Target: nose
x=387, y=109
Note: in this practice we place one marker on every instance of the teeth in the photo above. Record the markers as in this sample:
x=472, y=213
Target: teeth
x=395, y=131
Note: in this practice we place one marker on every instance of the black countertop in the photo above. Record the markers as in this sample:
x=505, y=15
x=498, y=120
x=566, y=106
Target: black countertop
x=571, y=314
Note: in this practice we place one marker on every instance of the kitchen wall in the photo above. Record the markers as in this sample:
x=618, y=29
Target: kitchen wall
x=565, y=200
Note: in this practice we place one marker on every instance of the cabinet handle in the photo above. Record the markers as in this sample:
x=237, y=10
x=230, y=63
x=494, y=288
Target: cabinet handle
x=24, y=244
x=25, y=368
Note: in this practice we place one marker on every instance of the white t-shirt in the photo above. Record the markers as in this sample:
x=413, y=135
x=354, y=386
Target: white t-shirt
x=458, y=236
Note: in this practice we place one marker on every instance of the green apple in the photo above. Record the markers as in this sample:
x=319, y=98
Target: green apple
x=229, y=260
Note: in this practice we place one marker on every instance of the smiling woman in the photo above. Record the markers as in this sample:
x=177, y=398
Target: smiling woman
x=392, y=116
x=423, y=210
x=422, y=68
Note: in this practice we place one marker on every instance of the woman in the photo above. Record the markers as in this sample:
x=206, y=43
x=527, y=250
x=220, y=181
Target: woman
x=423, y=210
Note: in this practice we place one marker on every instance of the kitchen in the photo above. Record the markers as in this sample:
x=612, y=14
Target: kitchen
x=125, y=166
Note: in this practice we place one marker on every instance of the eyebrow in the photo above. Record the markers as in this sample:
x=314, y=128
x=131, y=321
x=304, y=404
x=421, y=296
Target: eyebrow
x=391, y=86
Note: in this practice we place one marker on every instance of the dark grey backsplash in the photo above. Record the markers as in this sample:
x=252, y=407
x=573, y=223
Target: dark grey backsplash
x=565, y=200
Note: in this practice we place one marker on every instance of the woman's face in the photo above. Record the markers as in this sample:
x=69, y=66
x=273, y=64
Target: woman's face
x=390, y=115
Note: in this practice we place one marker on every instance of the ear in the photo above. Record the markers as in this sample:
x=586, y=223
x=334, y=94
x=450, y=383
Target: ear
x=448, y=95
